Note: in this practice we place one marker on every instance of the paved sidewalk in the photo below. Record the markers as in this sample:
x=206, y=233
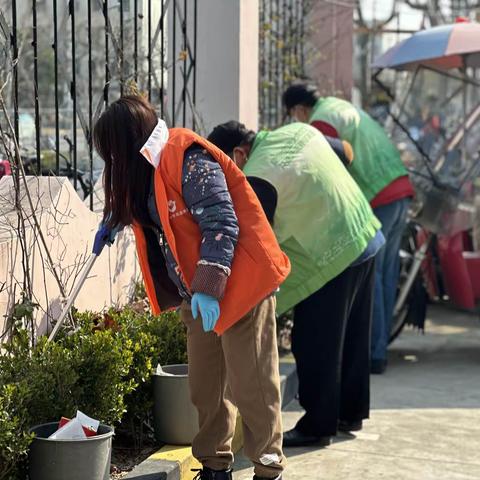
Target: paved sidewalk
x=425, y=422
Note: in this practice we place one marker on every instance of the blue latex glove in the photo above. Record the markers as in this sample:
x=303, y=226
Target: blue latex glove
x=105, y=236
x=209, y=310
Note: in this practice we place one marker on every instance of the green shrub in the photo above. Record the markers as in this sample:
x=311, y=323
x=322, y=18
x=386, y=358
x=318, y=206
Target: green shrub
x=86, y=371
x=52, y=383
x=102, y=362
x=14, y=440
x=152, y=340
x=104, y=369
x=38, y=386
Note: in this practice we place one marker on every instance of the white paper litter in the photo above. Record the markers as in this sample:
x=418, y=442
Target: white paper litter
x=87, y=421
x=70, y=431
x=269, y=458
x=74, y=429
x=161, y=371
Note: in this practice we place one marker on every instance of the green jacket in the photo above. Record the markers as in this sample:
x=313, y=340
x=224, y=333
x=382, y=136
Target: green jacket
x=376, y=161
x=322, y=221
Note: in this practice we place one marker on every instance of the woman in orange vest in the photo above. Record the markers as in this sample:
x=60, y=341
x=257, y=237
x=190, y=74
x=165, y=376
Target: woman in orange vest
x=203, y=244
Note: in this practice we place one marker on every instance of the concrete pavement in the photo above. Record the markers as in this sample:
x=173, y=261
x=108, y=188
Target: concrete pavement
x=425, y=419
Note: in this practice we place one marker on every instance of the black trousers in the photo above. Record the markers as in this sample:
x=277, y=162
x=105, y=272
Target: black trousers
x=331, y=345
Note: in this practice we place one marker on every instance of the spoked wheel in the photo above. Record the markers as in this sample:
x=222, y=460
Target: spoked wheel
x=414, y=309
x=398, y=323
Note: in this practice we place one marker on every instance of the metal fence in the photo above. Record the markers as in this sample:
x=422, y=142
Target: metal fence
x=64, y=61
x=281, y=53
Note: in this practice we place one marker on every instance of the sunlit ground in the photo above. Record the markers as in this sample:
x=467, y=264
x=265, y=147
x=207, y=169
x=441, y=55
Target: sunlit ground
x=425, y=421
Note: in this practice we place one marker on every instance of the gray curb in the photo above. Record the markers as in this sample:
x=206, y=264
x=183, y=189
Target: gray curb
x=156, y=470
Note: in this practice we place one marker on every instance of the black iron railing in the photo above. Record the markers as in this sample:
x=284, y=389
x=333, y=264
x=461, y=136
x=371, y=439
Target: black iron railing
x=64, y=61
x=281, y=52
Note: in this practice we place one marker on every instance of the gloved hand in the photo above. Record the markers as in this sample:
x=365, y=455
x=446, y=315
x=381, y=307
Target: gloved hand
x=105, y=236
x=348, y=151
x=209, y=310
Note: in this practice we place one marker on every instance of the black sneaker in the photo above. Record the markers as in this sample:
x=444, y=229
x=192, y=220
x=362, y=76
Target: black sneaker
x=295, y=438
x=378, y=367
x=208, y=474
x=344, y=426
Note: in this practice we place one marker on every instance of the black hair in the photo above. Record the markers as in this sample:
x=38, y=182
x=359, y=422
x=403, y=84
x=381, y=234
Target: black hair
x=300, y=93
x=229, y=135
x=118, y=135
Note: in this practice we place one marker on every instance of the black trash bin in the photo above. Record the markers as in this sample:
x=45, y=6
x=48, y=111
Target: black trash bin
x=69, y=459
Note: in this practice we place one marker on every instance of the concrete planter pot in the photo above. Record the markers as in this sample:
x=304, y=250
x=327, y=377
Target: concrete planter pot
x=72, y=459
x=175, y=417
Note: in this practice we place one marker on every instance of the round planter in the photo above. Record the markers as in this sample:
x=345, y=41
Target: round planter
x=72, y=459
x=175, y=417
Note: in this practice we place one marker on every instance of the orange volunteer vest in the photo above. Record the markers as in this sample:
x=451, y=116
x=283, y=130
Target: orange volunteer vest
x=259, y=265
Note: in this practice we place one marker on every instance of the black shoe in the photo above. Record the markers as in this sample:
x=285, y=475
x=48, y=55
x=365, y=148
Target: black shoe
x=377, y=367
x=295, y=438
x=208, y=474
x=346, y=427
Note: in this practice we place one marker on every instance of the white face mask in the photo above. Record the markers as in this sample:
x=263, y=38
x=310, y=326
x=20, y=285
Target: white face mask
x=152, y=150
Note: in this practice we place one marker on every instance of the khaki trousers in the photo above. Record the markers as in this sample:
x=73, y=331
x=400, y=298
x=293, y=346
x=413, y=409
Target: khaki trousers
x=237, y=369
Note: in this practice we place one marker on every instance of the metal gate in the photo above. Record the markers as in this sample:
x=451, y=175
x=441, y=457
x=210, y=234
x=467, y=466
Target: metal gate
x=63, y=61
x=281, y=52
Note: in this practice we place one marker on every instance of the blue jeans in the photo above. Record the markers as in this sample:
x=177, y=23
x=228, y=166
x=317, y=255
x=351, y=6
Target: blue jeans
x=393, y=219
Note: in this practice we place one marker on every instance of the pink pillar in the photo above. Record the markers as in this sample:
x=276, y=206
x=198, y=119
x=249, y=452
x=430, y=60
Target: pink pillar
x=329, y=50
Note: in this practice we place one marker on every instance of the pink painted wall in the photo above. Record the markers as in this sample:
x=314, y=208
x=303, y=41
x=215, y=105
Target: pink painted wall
x=329, y=52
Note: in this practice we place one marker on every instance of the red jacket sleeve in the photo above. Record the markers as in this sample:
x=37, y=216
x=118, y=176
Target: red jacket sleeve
x=325, y=128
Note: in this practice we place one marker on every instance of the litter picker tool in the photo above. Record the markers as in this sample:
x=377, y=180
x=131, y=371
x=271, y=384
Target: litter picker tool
x=104, y=236
x=73, y=295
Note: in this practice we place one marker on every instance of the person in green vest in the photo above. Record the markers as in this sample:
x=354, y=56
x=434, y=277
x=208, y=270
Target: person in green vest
x=326, y=227
x=379, y=172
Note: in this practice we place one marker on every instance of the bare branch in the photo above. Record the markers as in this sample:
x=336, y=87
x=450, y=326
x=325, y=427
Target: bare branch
x=27, y=192
x=417, y=5
x=360, y=20
x=376, y=26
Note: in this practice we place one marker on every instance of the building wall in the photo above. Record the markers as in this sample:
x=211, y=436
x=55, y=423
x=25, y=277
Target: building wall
x=329, y=51
x=69, y=228
x=248, y=82
x=227, y=62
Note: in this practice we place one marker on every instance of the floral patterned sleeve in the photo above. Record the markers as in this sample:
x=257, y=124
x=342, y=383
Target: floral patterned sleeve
x=206, y=195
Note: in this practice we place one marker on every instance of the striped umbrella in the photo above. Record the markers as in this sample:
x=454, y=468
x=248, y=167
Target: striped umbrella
x=456, y=45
